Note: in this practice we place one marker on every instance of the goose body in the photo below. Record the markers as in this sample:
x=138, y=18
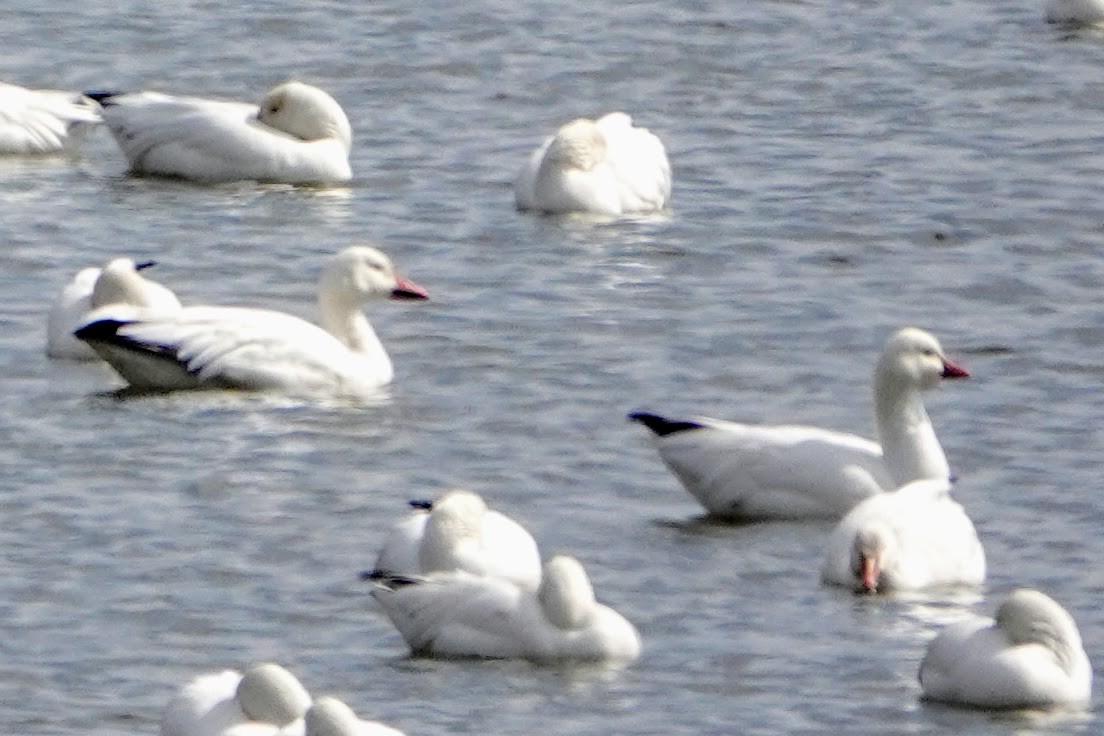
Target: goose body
x=297, y=135
x=36, y=121
x=202, y=347
x=1085, y=12
x=749, y=471
x=266, y=701
x=1030, y=656
x=911, y=538
x=118, y=283
x=457, y=614
x=459, y=532
x=605, y=166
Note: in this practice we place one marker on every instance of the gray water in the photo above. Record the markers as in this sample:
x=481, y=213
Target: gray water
x=841, y=169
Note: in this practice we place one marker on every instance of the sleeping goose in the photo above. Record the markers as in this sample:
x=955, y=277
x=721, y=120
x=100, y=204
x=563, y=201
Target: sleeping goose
x=746, y=471
x=331, y=717
x=1031, y=656
x=297, y=135
x=264, y=701
x=36, y=121
x=204, y=347
x=457, y=614
x=912, y=538
x=605, y=166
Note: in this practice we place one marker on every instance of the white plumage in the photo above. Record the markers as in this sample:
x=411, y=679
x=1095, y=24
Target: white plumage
x=1030, y=656
x=35, y=121
x=605, y=166
x=118, y=283
x=912, y=538
x=266, y=701
x=745, y=471
x=460, y=533
x=457, y=614
x=259, y=349
x=298, y=135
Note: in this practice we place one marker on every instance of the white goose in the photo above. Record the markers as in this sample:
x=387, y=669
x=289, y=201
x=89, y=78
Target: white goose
x=266, y=701
x=1031, y=656
x=119, y=282
x=34, y=121
x=298, y=135
x=912, y=538
x=331, y=717
x=744, y=471
x=459, y=532
x=457, y=614
x=257, y=349
x=1083, y=12
x=603, y=166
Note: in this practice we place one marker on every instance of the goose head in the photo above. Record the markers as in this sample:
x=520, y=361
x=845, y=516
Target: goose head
x=872, y=557
x=565, y=593
x=1030, y=617
x=331, y=717
x=306, y=113
x=579, y=144
x=914, y=358
x=270, y=694
x=360, y=273
x=121, y=283
x=454, y=526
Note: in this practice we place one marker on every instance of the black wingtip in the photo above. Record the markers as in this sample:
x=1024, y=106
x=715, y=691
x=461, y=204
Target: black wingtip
x=662, y=426
x=102, y=330
x=420, y=503
x=102, y=96
x=388, y=579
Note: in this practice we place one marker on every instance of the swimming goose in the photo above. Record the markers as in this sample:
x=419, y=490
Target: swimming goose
x=117, y=283
x=459, y=532
x=202, y=347
x=745, y=471
x=457, y=614
x=911, y=538
x=1031, y=656
x=605, y=166
x=264, y=701
x=34, y=121
x=297, y=135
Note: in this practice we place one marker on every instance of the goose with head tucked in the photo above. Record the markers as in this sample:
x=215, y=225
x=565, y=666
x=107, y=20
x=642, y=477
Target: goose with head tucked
x=457, y=614
x=43, y=121
x=266, y=700
x=1030, y=656
x=118, y=283
x=459, y=532
x=331, y=717
x=761, y=472
x=913, y=538
x=605, y=166
x=205, y=347
x=297, y=135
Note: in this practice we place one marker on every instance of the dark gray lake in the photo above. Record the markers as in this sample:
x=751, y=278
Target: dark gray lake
x=842, y=168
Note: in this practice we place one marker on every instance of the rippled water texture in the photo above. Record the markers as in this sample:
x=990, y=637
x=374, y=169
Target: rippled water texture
x=841, y=169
